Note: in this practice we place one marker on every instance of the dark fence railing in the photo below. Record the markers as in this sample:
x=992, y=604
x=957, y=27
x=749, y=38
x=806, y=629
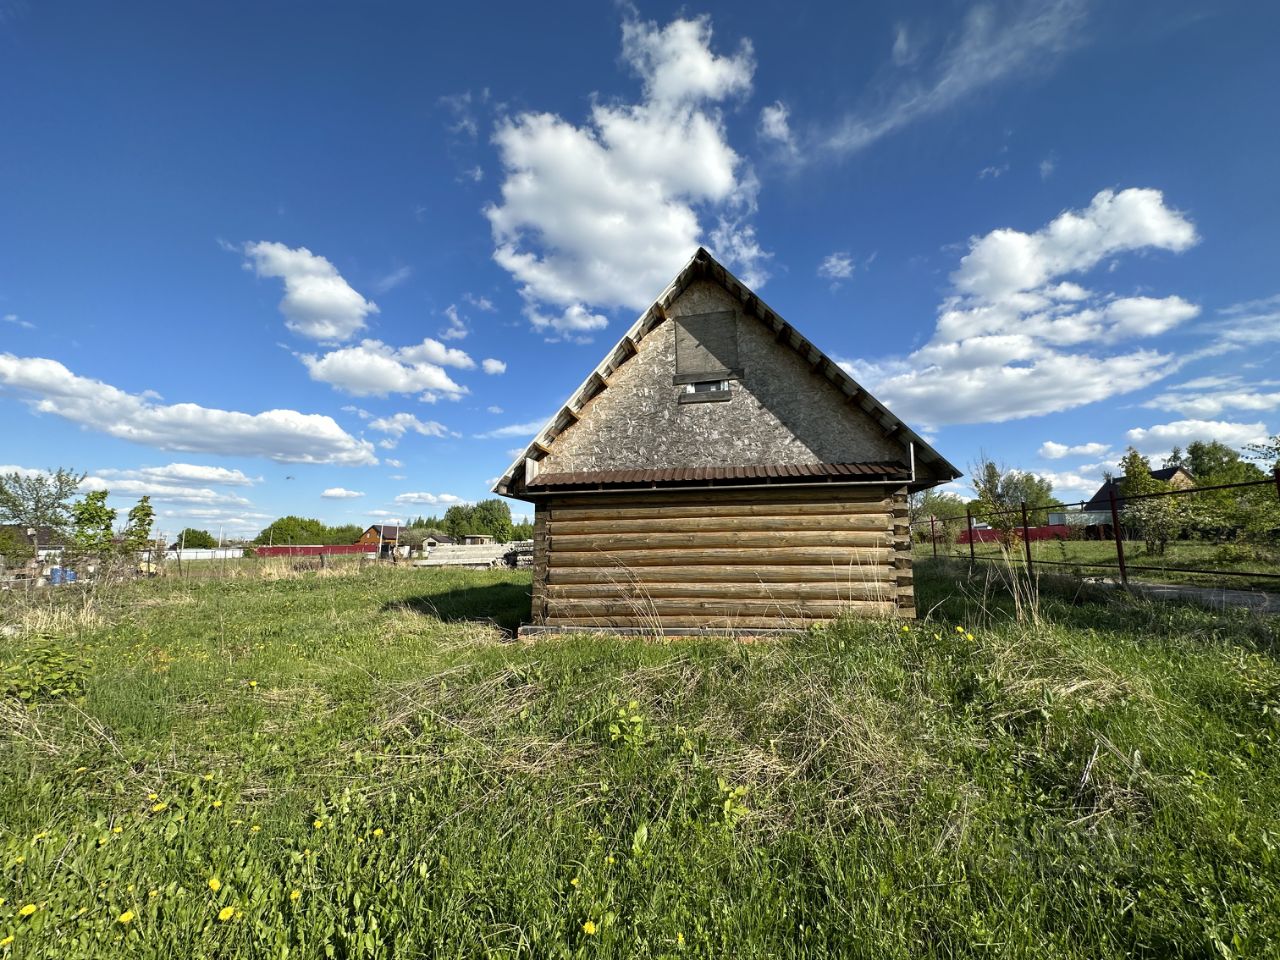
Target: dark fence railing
x=1222, y=530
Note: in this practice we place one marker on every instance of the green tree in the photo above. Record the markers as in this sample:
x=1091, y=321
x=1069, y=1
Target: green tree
x=92, y=521
x=1001, y=493
x=137, y=531
x=292, y=530
x=493, y=516
x=457, y=521
x=43, y=500
x=193, y=539
x=1154, y=519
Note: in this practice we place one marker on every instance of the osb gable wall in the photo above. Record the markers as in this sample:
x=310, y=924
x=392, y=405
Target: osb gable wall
x=781, y=412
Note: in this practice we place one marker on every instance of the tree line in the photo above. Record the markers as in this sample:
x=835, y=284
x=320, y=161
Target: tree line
x=490, y=517
x=46, y=504
x=1240, y=513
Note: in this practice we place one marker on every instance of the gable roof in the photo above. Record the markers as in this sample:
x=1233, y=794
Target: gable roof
x=1102, y=499
x=703, y=266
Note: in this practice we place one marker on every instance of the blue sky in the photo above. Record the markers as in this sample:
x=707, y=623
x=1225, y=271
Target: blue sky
x=254, y=254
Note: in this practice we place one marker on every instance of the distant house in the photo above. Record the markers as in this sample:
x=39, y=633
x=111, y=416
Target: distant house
x=476, y=539
x=1095, y=515
x=48, y=541
x=381, y=538
x=438, y=540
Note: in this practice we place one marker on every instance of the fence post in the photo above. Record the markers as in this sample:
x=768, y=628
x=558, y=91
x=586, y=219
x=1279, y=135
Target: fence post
x=968, y=516
x=1118, y=534
x=1275, y=472
x=1026, y=536
x=933, y=536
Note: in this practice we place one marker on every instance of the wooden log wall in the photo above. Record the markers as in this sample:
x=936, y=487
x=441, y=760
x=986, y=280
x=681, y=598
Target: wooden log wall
x=728, y=559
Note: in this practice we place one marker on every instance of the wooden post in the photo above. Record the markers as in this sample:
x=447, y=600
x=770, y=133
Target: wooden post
x=1275, y=473
x=1026, y=536
x=933, y=536
x=968, y=516
x=1115, y=529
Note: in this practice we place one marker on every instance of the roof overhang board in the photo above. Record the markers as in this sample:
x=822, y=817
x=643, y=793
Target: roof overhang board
x=700, y=265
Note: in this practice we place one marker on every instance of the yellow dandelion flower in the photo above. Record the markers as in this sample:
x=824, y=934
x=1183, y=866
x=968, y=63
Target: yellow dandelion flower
x=226, y=913
x=295, y=896
x=217, y=804
x=207, y=777
x=377, y=831
x=20, y=860
x=679, y=939
x=6, y=941
x=28, y=910
x=153, y=796
x=610, y=860
x=157, y=807
x=126, y=917
x=215, y=884
x=574, y=881
x=969, y=637
x=153, y=893
x=906, y=629
x=117, y=829
x=255, y=828
x=252, y=684
x=41, y=835
x=589, y=928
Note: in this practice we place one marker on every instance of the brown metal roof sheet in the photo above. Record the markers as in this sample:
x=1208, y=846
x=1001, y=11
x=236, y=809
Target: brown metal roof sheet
x=758, y=473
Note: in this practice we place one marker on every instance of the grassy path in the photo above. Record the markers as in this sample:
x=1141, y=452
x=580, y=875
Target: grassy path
x=358, y=765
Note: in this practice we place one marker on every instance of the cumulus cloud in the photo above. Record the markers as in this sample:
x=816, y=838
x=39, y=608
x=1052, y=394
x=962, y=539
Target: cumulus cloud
x=1056, y=451
x=399, y=424
x=185, y=473
x=992, y=45
x=373, y=368
x=1003, y=345
x=430, y=499
x=603, y=215
x=318, y=303
x=1180, y=433
x=161, y=492
x=494, y=366
x=775, y=127
x=340, y=493
x=283, y=435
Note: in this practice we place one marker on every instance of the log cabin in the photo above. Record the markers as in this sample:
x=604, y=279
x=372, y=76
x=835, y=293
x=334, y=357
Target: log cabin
x=717, y=472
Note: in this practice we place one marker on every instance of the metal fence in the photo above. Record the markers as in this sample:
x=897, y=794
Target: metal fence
x=1193, y=535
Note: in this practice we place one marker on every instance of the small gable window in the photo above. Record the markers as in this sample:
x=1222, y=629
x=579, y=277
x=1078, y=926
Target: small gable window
x=707, y=347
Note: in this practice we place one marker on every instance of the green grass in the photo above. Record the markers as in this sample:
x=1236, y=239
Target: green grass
x=1093, y=778
x=1229, y=563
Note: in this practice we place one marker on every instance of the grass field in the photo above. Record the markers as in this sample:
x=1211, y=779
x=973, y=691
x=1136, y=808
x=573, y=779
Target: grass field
x=360, y=764
x=1230, y=563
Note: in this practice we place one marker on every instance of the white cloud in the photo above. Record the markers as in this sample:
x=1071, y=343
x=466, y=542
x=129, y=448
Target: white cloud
x=393, y=463
x=514, y=430
x=495, y=409
x=494, y=366
x=836, y=266
x=1080, y=482
x=17, y=321
x=1009, y=261
x=480, y=303
x=161, y=492
x=1183, y=432
x=457, y=329
x=999, y=351
x=389, y=281
x=318, y=303
x=340, y=493
x=433, y=499
x=604, y=214
x=372, y=368
x=992, y=45
x=1047, y=166
x=1212, y=404
x=283, y=435
x=775, y=126
x=184, y=473
x=1056, y=451
x=400, y=423
x=993, y=173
